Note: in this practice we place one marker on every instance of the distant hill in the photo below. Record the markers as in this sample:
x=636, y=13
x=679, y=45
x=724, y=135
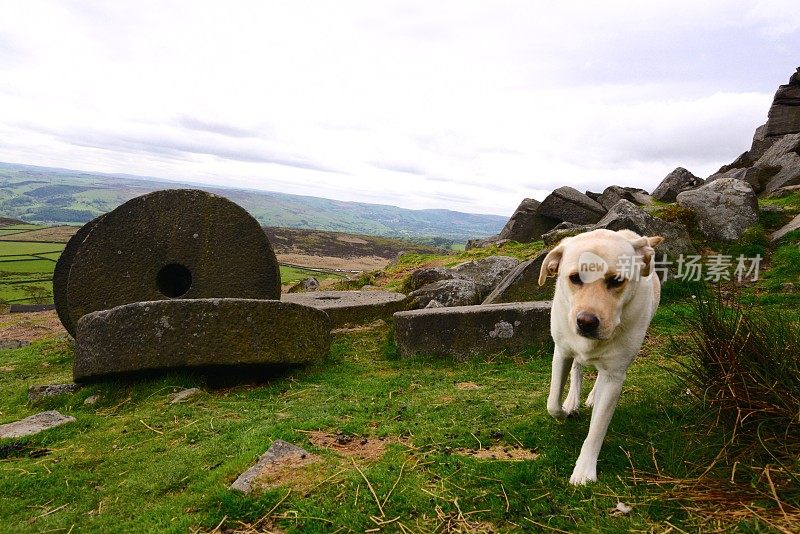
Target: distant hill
x=59, y=196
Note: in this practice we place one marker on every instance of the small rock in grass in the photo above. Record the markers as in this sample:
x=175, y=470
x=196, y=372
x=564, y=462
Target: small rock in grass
x=34, y=424
x=13, y=343
x=50, y=390
x=279, y=452
x=184, y=395
x=91, y=400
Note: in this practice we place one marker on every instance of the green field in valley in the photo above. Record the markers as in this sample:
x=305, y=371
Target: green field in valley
x=26, y=267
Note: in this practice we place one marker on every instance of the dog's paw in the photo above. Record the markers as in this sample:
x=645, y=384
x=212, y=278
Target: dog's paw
x=583, y=473
x=571, y=405
x=557, y=412
x=590, y=399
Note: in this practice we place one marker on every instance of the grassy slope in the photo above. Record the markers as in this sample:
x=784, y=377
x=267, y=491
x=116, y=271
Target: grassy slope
x=132, y=462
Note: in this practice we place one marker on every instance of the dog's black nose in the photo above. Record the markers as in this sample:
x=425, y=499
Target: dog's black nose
x=587, y=323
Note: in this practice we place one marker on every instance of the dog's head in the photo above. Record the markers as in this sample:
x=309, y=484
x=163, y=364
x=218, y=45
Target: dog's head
x=598, y=272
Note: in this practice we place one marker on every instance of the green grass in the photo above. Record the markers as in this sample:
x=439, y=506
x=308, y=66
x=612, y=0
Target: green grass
x=291, y=275
x=12, y=248
x=132, y=462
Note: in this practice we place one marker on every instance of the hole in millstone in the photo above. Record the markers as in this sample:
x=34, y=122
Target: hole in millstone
x=174, y=280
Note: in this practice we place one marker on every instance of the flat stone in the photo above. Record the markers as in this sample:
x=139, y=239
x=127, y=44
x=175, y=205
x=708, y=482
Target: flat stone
x=522, y=284
x=198, y=333
x=177, y=243
x=351, y=307
x=34, y=424
x=91, y=400
x=279, y=452
x=50, y=390
x=61, y=273
x=468, y=331
x=183, y=395
x=794, y=224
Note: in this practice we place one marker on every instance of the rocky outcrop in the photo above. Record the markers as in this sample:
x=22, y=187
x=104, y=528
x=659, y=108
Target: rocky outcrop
x=724, y=208
x=463, y=285
x=526, y=224
x=570, y=205
x=784, y=115
x=674, y=183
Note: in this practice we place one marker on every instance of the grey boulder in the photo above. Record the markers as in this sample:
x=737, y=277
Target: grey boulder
x=522, y=284
x=627, y=216
x=446, y=293
x=784, y=115
x=570, y=205
x=526, y=224
x=724, y=208
x=674, y=183
x=486, y=272
x=614, y=193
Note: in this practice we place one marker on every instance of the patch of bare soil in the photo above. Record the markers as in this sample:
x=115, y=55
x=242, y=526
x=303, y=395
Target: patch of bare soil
x=30, y=326
x=54, y=234
x=467, y=386
x=354, y=447
x=506, y=453
x=352, y=263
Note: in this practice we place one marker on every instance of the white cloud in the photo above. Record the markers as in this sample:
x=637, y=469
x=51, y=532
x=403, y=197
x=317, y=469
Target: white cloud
x=461, y=105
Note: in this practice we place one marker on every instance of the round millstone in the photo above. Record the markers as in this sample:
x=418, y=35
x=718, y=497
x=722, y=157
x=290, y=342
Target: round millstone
x=61, y=273
x=177, y=243
x=351, y=307
x=198, y=333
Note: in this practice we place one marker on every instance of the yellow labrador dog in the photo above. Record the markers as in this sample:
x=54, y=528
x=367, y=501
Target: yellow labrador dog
x=606, y=294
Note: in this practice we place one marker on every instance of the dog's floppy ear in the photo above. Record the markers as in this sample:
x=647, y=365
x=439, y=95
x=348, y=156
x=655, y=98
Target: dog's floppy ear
x=643, y=247
x=551, y=263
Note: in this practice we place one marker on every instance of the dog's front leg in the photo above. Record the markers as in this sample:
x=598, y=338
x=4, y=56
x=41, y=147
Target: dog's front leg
x=561, y=367
x=573, y=400
x=608, y=388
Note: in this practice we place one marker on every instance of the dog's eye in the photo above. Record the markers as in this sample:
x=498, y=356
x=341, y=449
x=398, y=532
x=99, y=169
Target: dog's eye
x=615, y=281
x=575, y=278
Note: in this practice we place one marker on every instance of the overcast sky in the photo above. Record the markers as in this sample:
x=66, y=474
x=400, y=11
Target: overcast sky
x=469, y=106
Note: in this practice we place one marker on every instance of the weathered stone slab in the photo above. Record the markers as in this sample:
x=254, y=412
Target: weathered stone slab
x=189, y=333
x=177, y=243
x=279, y=452
x=61, y=273
x=522, y=284
x=351, y=307
x=50, y=390
x=791, y=226
x=455, y=292
x=472, y=330
x=34, y=424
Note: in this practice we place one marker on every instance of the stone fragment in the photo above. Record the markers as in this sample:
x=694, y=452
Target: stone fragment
x=429, y=275
x=307, y=284
x=279, y=452
x=177, y=243
x=198, y=333
x=50, y=390
x=486, y=272
x=351, y=307
x=183, y=395
x=34, y=424
x=614, y=193
x=792, y=225
x=13, y=343
x=467, y=331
